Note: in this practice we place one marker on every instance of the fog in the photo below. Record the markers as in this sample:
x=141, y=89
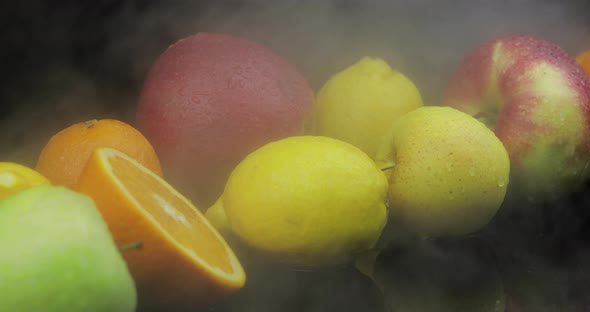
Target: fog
x=64, y=62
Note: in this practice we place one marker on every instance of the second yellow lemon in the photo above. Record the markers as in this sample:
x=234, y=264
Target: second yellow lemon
x=360, y=103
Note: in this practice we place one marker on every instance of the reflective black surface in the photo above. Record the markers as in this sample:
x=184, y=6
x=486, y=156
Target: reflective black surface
x=68, y=61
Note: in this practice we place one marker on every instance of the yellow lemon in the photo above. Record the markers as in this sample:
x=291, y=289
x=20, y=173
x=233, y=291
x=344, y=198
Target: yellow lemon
x=216, y=215
x=305, y=201
x=359, y=104
x=15, y=177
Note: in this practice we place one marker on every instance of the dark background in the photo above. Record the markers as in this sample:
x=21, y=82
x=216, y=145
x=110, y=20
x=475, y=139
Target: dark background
x=66, y=61
x=62, y=62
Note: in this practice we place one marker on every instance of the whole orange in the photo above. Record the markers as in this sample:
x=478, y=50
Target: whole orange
x=209, y=100
x=63, y=158
x=584, y=60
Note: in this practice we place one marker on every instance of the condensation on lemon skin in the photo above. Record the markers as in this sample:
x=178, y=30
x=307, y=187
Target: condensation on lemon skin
x=451, y=172
x=307, y=201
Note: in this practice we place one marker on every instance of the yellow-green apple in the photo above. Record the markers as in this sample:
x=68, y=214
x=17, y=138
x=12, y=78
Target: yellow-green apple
x=359, y=104
x=58, y=255
x=536, y=98
x=449, y=171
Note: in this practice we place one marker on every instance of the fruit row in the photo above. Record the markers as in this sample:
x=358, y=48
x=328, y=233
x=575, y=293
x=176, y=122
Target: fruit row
x=231, y=145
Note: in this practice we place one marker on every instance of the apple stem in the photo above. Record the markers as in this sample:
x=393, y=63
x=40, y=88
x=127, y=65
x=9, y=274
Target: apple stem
x=136, y=245
x=387, y=168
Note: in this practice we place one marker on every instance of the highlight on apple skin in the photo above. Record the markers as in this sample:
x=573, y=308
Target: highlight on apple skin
x=536, y=98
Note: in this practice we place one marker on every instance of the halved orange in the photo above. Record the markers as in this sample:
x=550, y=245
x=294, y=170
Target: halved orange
x=183, y=261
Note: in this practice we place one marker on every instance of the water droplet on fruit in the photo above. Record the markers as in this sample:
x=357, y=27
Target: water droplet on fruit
x=182, y=91
x=501, y=184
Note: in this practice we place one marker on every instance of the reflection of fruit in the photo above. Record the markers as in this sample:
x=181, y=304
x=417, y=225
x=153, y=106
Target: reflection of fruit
x=274, y=287
x=531, y=284
x=58, y=255
x=307, y=201
x=584, y=60
x=65, y=155
x=183, y=260
x=449, y=171
x=16, y=177
x=365, y=262
x=359, y=104
x=432, y=276
x=209, y=100
x=537, y=99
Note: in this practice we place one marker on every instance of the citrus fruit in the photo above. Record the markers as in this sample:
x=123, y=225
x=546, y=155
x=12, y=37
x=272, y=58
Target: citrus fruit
x=183, y=261
x=15, y=177
x=584, y=60
x=449, y=171
x=216, y=215
x=65, y=155
x=359, y=104
x=58, y=255
x=209, y=100
x=307, y=201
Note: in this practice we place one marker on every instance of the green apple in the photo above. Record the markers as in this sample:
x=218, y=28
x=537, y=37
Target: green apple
x=58, y=255
x=359, y=104
x=449, y=172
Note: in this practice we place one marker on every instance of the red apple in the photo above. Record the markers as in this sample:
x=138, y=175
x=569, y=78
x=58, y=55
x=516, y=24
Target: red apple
x=209, y=100
x=536, y=98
